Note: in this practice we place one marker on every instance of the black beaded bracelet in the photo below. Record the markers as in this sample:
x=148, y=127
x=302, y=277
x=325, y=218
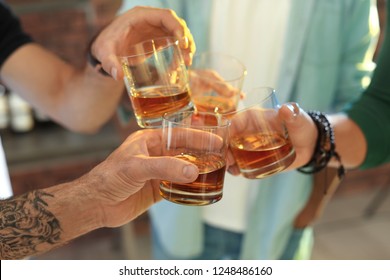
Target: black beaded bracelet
x=325, y=147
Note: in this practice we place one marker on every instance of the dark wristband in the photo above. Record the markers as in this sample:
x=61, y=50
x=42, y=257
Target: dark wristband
x=325, y=147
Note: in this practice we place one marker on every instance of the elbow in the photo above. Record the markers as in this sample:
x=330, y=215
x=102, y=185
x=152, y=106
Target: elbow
x=87, y=130
x=83, y=127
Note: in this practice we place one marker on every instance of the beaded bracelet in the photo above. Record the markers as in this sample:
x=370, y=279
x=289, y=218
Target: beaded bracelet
x=325, y=147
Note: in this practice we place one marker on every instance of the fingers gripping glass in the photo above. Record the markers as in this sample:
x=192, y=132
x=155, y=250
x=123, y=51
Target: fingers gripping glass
x=202, y=139
x=156, y=80
x=259, y=140
x=216, y=81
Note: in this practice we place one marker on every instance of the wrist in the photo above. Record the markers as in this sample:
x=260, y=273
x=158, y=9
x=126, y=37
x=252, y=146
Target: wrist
x=325, y=148
x=77, y=208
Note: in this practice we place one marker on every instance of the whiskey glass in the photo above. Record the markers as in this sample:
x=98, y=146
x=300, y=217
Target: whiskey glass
x=216, y=80
x=156, y=80
x=259, y=140
x=202, y=139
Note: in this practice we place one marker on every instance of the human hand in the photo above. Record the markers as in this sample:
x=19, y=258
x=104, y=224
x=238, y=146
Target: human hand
x=248, y=123
x=301, y=129
x=136, y=25
x=210, y=92
x=245, y=121
x=302, y=132
x=204, y=80
x=127, y=182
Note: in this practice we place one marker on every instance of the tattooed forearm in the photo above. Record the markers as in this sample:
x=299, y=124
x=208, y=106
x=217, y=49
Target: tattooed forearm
x=26, y=224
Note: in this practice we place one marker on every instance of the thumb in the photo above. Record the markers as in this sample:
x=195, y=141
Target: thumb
x=167, y=168
x=301, y=130
x=289, y=112
x=295, y=119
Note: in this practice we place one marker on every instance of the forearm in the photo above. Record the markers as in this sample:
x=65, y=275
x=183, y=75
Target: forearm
x=41, y=220
x=89, y=101
x=350, y=141
x=80, y=100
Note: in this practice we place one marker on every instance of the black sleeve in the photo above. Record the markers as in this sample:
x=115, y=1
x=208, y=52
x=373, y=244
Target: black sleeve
x=11, y=33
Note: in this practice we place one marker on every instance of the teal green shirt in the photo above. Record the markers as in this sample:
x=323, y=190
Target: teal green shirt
x=372, y=111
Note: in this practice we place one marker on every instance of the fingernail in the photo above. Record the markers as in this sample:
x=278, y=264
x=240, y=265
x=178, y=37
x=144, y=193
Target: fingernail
x=294, y=108
x=184, y=43
x=189, y=171
x=114, y=73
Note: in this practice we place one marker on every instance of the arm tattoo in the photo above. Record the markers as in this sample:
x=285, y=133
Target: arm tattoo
x=25, y=224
